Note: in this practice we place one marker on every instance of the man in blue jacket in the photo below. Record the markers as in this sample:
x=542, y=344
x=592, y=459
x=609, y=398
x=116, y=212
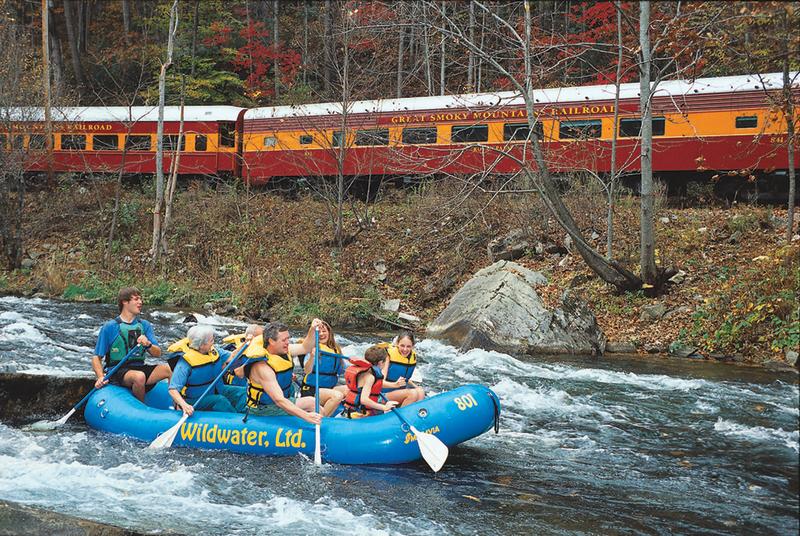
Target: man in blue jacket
x=117, y=337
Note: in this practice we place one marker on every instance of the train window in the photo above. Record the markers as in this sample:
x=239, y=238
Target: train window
x=417, y=136
x=372, y=137
x=520, y=131
x=171, y=142
x=306, y=139
x=73, y=142
x=200, y=142
x=746, y=121
x=36, y=141
x=336, y=139
x=227, y=134
x=137, y=143
x=270, y=141
x=467, y=134
x=590, y=128
x=632, y=128
x=105, y=142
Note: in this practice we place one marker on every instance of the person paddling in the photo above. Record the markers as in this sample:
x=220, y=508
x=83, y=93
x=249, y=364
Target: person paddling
x=329, y=370
x=364, y=381
x=117, y=337
x=199, y=363
x=398, y=369
x=270, y=369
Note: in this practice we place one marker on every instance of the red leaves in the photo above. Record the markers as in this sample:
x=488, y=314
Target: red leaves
x=221, y=35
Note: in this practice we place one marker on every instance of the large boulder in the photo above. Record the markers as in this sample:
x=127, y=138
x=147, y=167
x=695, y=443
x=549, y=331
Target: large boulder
x=499, y=309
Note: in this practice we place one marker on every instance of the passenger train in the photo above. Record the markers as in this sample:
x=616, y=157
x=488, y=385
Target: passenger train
x=729, y=126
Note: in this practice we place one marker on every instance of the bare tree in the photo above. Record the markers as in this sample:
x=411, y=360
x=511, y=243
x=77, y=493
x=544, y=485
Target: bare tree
x=647, y=240
x=788, y=112
x=162, y=80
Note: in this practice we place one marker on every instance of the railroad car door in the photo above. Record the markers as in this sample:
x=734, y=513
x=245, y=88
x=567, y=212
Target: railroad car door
x=226, y=145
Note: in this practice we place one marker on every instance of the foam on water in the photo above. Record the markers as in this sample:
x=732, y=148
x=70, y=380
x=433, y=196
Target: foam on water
x=148, y=497
x=22, y=332
x=544, y=401
x=12, y=316
x=759, y=433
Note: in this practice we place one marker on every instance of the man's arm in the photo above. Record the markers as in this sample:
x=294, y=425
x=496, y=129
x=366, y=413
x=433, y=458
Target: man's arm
x=97, y=366
x=266, y=377
x=148, y=340
x=308, y=343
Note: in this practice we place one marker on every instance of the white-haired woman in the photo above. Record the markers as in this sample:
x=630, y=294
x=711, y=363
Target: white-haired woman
x=199, y=363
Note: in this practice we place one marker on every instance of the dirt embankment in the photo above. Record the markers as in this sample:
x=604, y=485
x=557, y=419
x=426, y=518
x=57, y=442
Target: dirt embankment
x=266, y=255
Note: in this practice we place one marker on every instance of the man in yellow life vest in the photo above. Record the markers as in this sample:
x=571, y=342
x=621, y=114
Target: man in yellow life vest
x=199, y=364
x=269, y=375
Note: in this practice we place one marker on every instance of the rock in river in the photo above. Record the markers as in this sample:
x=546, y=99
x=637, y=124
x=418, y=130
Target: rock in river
x=499, y=309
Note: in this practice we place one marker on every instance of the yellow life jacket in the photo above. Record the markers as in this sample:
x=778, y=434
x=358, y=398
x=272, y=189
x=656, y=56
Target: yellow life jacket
x=399, y=365
x=283, y=366
x=237, y=339
x=204, y=368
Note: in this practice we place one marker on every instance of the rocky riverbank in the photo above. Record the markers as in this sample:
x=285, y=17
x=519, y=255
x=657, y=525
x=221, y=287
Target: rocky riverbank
x=264, y=255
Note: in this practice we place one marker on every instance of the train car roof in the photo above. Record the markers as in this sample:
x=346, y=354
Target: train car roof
x=676, y=88
x=124, y=113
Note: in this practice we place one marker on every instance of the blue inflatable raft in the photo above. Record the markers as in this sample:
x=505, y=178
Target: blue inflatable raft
x=454, y=417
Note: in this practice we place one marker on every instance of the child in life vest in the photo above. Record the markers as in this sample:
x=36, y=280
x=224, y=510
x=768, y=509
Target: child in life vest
x=364, y=381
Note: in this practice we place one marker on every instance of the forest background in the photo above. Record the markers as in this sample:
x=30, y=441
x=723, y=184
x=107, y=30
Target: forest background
x=306, y=252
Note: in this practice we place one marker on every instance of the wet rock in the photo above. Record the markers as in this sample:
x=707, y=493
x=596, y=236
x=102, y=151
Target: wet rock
x=499, y=309
x=679, y=312
x=208, y=307
x=30, y=397
x=22, y=519
x=652, y=312
x=409, y=318
x=678, y=278
x=680, y=349
x=391, y=305
x=620, y=347
x=791, y=357
x=510, y=247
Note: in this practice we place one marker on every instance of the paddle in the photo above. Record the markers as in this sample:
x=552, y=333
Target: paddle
x=317, y=448
x=433, y=450
x=49, y=425
x=166, y=439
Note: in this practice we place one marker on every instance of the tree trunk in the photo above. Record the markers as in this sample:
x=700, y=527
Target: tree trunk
x=647, y=259
x=326, y=48
x=305, y=42
x=126, y=20
x=471, y=56
x=56, y=57
x=609, y=271
x=442, y=59
x=72, y=36
x=173, y=178
x=615, y=135
x=195, y=22
x=275, y=62
x=789, y=114
x=426, y=51
x=162, y=82
x=400, y=50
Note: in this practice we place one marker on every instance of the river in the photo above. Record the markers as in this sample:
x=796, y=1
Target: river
x=586, y=446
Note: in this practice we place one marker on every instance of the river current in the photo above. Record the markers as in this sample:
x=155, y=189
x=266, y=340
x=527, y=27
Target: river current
x=586, y=446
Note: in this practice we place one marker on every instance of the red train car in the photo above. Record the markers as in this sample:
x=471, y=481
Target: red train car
x=107, y=139
x=713, y=124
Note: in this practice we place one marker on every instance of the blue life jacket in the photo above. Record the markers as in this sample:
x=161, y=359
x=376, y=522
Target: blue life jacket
x=329, y=369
